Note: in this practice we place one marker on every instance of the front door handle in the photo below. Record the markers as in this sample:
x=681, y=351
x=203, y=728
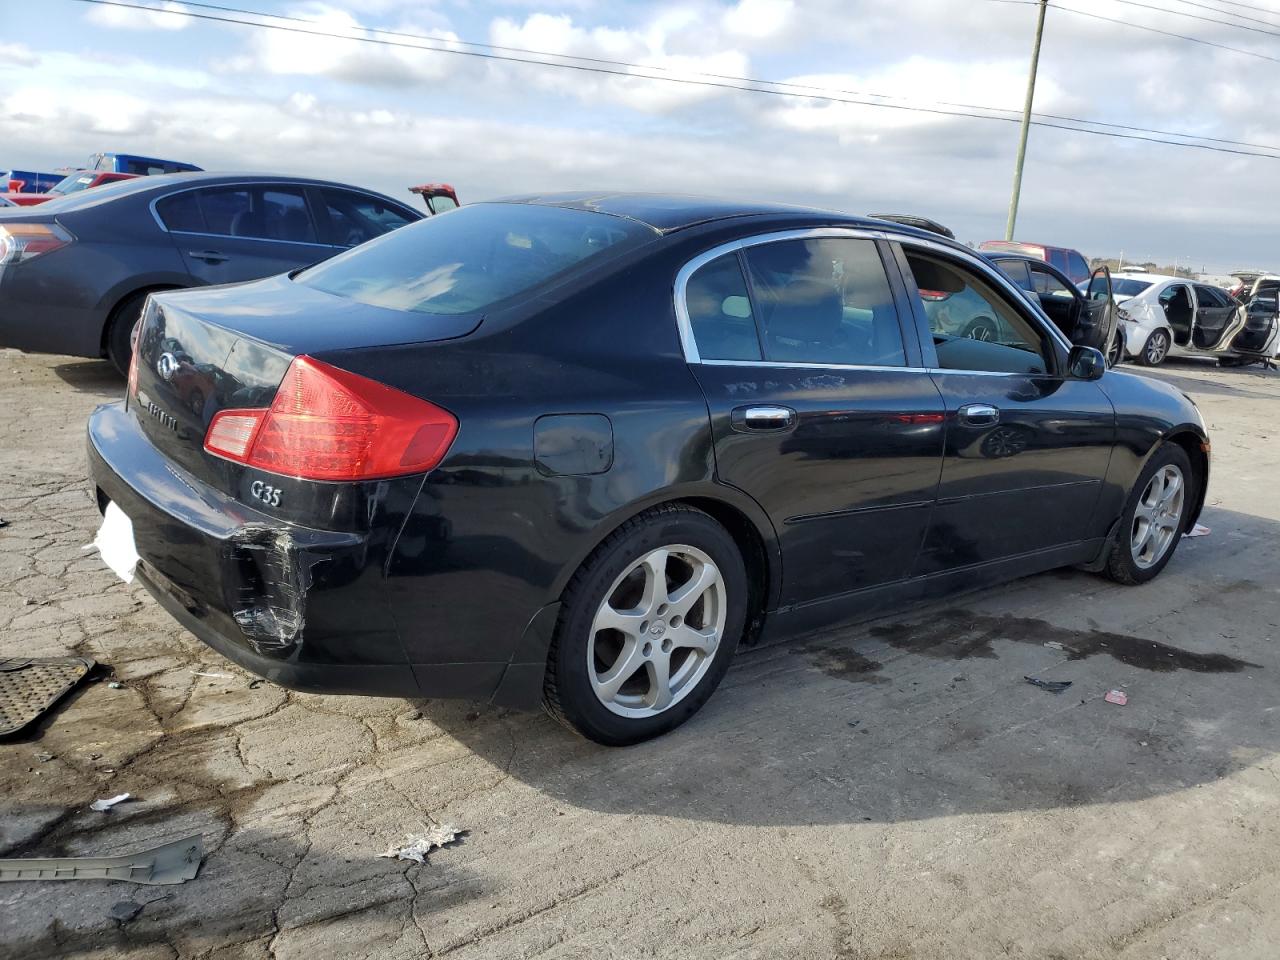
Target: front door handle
x=208, y=256
x=979, y=415
x=763, y=419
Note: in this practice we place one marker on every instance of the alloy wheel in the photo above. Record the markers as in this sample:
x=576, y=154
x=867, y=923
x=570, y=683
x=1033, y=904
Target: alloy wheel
x=1157, y=347
x=1157, y=517
x=656, y=633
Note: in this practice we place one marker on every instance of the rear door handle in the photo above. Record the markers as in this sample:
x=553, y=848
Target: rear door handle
x=763, y=419
x=208, y=256
x=979, y=415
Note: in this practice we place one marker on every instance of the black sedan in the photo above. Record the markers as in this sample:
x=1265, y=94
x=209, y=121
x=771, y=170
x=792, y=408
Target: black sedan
x=577, y=450
x=75, y=271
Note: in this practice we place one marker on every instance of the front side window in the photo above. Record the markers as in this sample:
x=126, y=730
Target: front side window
x=825, y=301
x=357, y=217
x=719, y=308
x=974, y=327
x=476, y=257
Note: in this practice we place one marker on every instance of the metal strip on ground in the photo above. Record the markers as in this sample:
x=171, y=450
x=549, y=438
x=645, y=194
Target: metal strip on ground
x=29, y=686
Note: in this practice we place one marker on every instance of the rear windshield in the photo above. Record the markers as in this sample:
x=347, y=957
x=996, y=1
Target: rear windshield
x=1123, y=287
x=468, y=259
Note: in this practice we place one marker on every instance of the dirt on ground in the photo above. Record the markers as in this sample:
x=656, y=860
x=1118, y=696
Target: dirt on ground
x=893, y=789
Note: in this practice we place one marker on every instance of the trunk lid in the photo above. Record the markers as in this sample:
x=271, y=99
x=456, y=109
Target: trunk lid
x=220, y=348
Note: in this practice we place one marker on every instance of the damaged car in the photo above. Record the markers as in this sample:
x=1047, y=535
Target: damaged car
x=577, y=450
x=1171, y=316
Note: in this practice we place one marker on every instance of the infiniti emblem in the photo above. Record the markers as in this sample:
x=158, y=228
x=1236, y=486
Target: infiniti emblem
x=167, y=366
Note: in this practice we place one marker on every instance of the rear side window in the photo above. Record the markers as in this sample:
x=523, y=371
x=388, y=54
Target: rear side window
x=1209, y=297
x=477, y=256
x=1059, y=259
x=1046, y=283
x=825, y=301
x=357, y=217
x=181, y=212
x=720, y=311
x=259, y=213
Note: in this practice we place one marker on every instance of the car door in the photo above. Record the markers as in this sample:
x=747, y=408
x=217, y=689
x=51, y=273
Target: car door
x=820, y=408
x=1058, y=299
x=233, y=233
x=1026, y=447
x=1098, y=314
x=1179, y=307
x=1215, y=319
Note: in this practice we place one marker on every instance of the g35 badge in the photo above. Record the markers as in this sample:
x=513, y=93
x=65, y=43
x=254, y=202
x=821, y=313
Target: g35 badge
x=266, y=493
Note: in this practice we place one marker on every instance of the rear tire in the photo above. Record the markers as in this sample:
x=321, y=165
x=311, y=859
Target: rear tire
x=120, y=331
x=1115, y=350
x=648, y=626
x=1155, y=349
x=1154, y=517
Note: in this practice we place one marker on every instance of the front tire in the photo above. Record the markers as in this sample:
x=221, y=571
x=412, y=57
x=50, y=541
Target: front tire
x=1115, y=351
x=1155, y=349
x=1154, y=517
x=648, y=626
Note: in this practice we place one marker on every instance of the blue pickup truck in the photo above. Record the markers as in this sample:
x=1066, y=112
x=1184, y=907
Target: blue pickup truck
x=142, y=166
x=28, y=181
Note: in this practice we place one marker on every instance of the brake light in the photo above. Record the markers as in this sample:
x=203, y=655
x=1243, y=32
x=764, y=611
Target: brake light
x=329, y=424
x=26, y=241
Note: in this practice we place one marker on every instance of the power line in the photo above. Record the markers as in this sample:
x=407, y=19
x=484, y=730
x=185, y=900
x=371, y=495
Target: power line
x=1196, y=16
x=828, y=97
x=718, y=76
x=1228, y=13
x=1123, y=23
x=1249, y=6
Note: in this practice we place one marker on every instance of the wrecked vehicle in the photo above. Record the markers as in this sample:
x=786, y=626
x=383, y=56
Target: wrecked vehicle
x=1259, y=341
x=1170, y=316
x=575, y=450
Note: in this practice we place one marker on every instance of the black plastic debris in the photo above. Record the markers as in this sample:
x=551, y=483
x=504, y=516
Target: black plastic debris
x=31, y=685
x=1053, y=686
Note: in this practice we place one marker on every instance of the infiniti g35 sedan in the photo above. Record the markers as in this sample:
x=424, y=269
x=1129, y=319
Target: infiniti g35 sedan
x=578, y=450
x=75, y=271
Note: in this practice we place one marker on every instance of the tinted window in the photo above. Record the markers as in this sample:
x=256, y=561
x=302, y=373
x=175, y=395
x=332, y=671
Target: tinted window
x=1046, y=283
x=974, y=327
x=1209, y=297
x=1017, y=271
x=1123, y=287
x=181, y=212
x=476, y=256
x=824, y=301
x=1077, y=269
x=357, y=217
x=720, y=311
x=269, y=213
x=1058, y=258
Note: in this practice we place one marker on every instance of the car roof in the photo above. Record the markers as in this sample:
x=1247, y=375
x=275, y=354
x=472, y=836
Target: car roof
x=1149, y=277
x=667, y=213
x=163, y=182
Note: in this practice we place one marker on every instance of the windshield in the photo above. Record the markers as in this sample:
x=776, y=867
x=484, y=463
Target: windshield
x=73, y=183
x=473, y=258
x=1124, y=287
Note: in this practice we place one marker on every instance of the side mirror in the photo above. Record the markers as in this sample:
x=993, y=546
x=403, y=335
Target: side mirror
x=1086, y=363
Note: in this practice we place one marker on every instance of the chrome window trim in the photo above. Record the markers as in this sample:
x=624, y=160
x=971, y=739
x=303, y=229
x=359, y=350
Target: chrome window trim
x=685, y=324
x=797, y=365
x=303, y=186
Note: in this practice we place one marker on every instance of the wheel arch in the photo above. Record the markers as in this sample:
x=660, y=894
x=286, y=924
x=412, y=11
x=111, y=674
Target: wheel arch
x=1195, y=445
x=118, y=302
x=745, y=521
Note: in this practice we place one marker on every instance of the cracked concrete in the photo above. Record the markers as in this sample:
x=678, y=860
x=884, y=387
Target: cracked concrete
x=885, y=790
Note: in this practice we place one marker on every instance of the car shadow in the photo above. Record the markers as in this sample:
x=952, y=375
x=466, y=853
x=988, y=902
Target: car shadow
x=1226, y=381
x=928, y=714
x=90, y=376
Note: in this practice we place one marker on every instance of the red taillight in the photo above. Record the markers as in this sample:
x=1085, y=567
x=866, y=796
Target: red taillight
x=328, y=424
x=26, y=241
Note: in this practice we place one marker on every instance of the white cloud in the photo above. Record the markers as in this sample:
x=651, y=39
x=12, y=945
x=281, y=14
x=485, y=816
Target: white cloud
x=161, y=16
x=18, y=55
x=759, y=19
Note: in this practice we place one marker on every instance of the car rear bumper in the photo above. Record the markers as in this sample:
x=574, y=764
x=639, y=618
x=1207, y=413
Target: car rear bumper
x=301, y=607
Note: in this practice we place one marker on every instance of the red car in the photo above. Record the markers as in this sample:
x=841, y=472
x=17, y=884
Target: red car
x=1071, y=262
x=80, y=180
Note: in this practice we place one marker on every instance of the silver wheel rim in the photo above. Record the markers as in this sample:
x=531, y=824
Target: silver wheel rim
x=657, y=631
x=1117, y=350
x=981, y=331
x=1156, y=347
x=1157, y=517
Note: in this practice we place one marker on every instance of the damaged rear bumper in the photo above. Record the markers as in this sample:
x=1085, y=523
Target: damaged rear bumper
x=299, y=606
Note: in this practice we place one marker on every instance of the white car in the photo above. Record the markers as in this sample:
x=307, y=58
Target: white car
x=1171, y=316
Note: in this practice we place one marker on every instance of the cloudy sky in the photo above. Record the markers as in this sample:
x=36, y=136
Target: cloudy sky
x=77, y=78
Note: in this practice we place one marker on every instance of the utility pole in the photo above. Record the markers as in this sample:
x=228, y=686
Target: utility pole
x=1026, y=123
